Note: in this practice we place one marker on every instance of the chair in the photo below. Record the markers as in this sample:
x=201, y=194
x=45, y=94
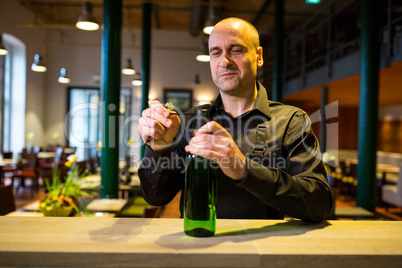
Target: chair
x=92, y=166
x=127, y=165
x=47, y=167
x=30, y=171
x=68, y=151
x=8, y=169
x=353, y=179
x=57, y=158
x=8, y=155
x=7, y=203
x=392, y=194
x=82, y=166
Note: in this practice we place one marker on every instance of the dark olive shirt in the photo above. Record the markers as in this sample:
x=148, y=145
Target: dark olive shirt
x=286, y=175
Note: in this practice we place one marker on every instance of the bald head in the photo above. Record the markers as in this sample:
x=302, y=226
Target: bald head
x=235, y=55
x=243, y=27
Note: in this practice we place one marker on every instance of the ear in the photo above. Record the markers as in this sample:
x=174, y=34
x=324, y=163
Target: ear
x=260, y=60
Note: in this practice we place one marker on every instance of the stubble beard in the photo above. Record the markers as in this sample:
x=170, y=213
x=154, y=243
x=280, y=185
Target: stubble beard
x=228, y=86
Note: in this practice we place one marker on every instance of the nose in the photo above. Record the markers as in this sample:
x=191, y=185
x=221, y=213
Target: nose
x=225, y=61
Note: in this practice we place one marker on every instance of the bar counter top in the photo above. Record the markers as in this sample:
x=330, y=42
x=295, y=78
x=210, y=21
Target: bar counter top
x=130, y=242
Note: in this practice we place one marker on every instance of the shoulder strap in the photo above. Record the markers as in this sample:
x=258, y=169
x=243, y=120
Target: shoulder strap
x=260, y=139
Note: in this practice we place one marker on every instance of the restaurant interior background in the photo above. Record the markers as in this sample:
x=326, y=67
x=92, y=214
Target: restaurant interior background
x=35, y=105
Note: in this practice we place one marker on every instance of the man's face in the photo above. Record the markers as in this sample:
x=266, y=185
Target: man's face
x=233, y=59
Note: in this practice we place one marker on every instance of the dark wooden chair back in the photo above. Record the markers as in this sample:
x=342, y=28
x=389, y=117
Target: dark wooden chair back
x=92, y=167
x=82, y=166
x=8, y=155
x=7, y=203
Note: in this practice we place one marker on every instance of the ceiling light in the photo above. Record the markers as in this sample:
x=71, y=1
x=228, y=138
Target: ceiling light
x=63, y=76
x=87, y=21
x=203, y=56
x=128, y=69
x=209, y=26
x=38, y=65
x=137, y=80
x=3, y=50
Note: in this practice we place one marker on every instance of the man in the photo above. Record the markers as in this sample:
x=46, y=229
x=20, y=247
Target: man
x=269, y=158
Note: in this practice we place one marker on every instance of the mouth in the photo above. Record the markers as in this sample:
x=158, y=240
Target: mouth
x=228, y=74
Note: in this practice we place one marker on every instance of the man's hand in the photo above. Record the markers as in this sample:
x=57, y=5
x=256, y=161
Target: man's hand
x=212, y=141
x=157, y=126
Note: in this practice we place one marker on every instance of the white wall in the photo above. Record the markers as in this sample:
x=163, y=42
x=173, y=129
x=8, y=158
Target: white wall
x=11, y=12
x=173, y=65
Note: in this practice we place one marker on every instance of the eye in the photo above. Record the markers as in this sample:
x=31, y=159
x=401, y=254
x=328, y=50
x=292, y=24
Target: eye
x=237, y=50
x=215, y=53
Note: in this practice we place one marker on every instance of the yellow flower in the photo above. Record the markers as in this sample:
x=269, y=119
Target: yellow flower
x=72, y=158
x=67, y=164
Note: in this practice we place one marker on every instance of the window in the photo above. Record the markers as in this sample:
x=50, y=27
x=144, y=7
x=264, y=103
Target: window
x=12, y=95
x=83, y=122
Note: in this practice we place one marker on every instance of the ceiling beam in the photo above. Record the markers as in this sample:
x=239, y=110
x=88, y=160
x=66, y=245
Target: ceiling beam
x=43, y=16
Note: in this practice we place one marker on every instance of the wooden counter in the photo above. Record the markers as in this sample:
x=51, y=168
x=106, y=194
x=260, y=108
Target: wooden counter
x=123, y=242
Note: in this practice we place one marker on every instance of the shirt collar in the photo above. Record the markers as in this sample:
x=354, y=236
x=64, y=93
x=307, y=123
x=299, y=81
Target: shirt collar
x=261, y=102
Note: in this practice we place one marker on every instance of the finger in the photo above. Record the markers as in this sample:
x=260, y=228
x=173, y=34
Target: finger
x=152, y=123
x=175, y=120
x=213, y=127
x=158, y=115
x=210, y=141
x=156, y=105
x=151, y=127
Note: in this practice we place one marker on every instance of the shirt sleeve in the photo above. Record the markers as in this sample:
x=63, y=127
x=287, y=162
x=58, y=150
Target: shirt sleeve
x=300, y=190
x=162, y=175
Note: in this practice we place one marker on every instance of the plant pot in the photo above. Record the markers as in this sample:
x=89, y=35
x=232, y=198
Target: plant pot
x=58, y=212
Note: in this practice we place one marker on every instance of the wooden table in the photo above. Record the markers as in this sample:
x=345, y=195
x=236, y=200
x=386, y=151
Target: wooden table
x=94, y=181
x=384, y=169
x=123, y=242
x=46, y=155
x=8, y=161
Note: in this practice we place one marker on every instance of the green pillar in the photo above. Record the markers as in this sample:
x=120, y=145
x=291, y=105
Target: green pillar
x=146, y=57
x=368, y=109
x=110, y=70
x=278, y=52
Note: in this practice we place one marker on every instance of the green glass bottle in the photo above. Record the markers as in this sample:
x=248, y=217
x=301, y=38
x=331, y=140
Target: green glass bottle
x=200, y=191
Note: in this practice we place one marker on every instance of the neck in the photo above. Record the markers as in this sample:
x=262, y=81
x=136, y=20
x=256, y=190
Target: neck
x=238, y=105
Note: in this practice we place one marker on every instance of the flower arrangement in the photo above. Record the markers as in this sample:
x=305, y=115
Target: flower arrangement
x=63, y=199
